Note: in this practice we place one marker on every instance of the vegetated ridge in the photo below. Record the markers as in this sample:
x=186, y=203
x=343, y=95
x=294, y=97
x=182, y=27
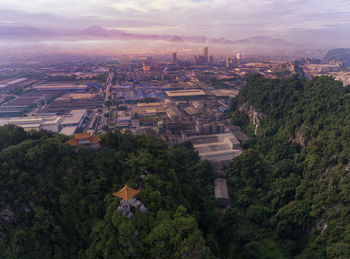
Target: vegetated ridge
x=290, y=188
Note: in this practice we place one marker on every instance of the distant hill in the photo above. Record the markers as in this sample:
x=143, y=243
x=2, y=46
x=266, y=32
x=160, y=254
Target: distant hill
x=221, y=41
x=95, y=31
x=92, y=32
x=177, y=39
x=266, y=41
x=20, y=32
x=338, y=55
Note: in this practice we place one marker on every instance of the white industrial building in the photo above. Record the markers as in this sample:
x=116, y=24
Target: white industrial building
x=73, y=121
x=68, y=131
x=216, y=147
x=50, y=123
x=74, y=118
x=66, y=125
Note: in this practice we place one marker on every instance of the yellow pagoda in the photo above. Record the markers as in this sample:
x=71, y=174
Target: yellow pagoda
x=126, y=193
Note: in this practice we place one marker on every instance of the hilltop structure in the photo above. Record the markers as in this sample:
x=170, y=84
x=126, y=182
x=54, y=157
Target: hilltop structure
x=126, y=193
x=128, y=201
x=85, y=139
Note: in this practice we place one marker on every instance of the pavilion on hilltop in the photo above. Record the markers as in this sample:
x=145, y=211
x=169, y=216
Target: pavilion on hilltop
x=126, y=193
x=128, y=202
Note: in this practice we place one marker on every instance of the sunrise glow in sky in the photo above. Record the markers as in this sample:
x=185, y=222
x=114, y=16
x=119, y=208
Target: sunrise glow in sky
x=304, y=20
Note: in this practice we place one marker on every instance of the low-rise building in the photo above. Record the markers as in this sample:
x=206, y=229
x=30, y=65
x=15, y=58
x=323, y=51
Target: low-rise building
x=173, y=112
x=50, y=123
x=64, y=87
x=19, y=106
x=6, y=85
x=135, y=123
x=148, y=109
x=192, y=111
x=188, y=94
x=211, y=127
x=68, y=131
x=216, y=147
x=75, y=118
x=53, y=125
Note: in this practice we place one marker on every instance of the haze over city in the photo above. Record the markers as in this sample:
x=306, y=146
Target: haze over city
x=82, y=25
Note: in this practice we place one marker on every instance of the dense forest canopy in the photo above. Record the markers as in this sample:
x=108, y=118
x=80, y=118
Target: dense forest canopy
x=292, y=183
x=289, y=190
x=57, y=203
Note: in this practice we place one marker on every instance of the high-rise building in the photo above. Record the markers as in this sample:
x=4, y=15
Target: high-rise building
x=241, y=56
x=205, y=54
x=195, y=60
x=147, y=64
x=231, y=62
x=202, y=60
x=174, y=57
x=211, y=59
x=228, y=62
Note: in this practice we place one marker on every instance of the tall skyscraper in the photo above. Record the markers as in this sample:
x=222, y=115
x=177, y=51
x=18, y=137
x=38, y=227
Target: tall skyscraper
x=174, y=57
x=195, y=60
x=228, y=62
x=211, y=59
x=240, y=56
x=205, y=54
x=231, y=62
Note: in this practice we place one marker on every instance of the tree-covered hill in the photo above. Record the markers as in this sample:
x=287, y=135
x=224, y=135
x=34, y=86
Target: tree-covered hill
x=290, y=189
x=56, y=202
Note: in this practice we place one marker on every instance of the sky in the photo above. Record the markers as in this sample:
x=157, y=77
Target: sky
x=320, y=22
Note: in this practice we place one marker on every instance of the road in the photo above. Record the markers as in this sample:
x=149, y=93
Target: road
x=102, y=120
x=109, y=85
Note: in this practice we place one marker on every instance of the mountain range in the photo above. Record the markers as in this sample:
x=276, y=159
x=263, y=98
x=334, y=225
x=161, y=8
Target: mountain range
x=97, y=32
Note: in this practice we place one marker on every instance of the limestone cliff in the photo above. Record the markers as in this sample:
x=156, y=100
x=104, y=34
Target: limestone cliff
x=254, y=116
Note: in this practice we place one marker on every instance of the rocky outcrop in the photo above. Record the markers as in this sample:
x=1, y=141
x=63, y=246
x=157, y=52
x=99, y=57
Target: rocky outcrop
x=300, y=140
x=321, y=224
x=254, y=116
x=292, y=68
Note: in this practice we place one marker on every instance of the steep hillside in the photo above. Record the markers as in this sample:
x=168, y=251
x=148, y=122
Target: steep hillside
x=290, y=188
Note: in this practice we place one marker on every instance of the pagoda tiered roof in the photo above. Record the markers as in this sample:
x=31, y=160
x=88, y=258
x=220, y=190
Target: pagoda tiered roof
x=126, y=193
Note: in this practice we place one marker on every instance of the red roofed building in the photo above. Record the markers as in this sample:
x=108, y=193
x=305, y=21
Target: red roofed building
x=85, y=139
